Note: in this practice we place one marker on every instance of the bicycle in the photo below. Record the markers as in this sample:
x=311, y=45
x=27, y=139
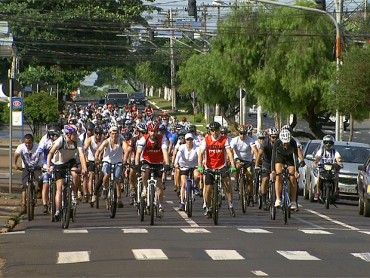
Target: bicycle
x=245, y=191
x=216, y=198
x=111, y=201
x=285, y=199
x=51, y=194
x=189, y=192
x=257, y=195
x=96, y=191
x=31, y=195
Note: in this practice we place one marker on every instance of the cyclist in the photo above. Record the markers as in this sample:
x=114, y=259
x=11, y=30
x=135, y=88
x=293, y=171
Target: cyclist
x=91, y=145
x=65, y=153
x=215, y=148
x=112, y=152
x=285, y=151
x=44, y=147
x=244, y=148
x=27, y=151
x=264, y=155
x=327, y=153
x=152, y=151
x=176, y=173
x=187, y=157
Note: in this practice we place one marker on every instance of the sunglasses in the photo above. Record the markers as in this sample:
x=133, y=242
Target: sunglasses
x=273, y=137
x=242, y=133
x=214, y=129
x=328, y=143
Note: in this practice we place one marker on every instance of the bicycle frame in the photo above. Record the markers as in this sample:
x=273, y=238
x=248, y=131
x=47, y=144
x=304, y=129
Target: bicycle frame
x=285, y=199
x=31, y=196
x=112, y=191
x=244, y=188
x=189, y=192
x=216, y=200
x=66, y=199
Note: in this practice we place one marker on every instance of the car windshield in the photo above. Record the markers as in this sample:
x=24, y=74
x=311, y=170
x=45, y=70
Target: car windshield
x=312, y=148
x=353, y=154
x=137, y=95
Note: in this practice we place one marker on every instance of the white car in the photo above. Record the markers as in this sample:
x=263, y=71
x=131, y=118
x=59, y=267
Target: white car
x=254, y=110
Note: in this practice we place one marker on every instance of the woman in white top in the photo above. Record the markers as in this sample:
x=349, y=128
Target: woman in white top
x=187, y=158
x=112, y=152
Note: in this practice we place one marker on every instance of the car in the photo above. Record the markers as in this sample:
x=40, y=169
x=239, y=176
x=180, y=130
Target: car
x=254, y=110
x=120, y=102
x=327, y=120
x=363, y=187
x=353, y=154
x=138, y=98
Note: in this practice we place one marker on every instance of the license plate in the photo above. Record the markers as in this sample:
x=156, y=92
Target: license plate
x=347, y=190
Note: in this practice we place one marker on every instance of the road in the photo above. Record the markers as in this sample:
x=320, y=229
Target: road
x=316, y=243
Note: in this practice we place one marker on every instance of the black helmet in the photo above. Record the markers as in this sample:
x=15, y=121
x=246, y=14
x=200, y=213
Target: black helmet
x=90, y=126
x=224, y=130
x=98, y=130
x=127, y=136
x=214, y=125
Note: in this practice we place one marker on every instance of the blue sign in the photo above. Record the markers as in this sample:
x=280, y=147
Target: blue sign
x=17, y=104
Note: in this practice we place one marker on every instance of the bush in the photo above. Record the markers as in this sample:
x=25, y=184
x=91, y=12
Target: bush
x=198, y=118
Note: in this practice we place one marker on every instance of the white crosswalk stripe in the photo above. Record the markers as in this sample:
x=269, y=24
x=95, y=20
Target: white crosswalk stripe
x=259, y=273
x=365, y=232
x=254, y=231
x=73, y=257
x=195, y=230
x=149, y=254
x=75, y=231
x=363, y=256
x=223, y=255
x=298, y=255
x=135, y=231
x=315, y=232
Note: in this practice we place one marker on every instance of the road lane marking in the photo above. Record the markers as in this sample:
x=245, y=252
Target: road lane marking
x=254, y=231
x=298, y=255
x=315, y=232
x=362, y=256
x=183, y=214
x=195, y=230
x=13, y=233
x=333, y=221
x=259, y=273
x=75, y=231
x=149, y=254
x=224, y=255
x=135, y=231
x=307, y=222
x=73, y=257
x=365, y=232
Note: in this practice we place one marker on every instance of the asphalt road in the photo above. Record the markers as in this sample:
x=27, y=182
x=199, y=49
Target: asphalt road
x=315, y=243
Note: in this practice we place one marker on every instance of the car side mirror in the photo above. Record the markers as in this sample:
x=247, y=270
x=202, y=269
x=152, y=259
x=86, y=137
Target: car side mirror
x=361, y=167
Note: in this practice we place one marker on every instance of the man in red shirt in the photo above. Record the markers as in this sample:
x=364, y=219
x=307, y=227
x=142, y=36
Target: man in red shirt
x=216, y=149
x=152, y=151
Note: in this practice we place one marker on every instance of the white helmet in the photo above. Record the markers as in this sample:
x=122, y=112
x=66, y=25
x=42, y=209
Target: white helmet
x=285, y=136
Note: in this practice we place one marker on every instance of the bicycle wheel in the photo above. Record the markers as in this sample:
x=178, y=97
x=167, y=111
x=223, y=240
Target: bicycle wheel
x=151, y=203
x=272, y=202
x=142, y=208
x=66, y=206
x=285, y=204
x=215, y=203
x=327, y=195
x=52, y=208
x=74, y=211
x=189, y=200
x=243, y=194
x=258, y=192
x=112, y=200
x=126, y=186
x=30, y=206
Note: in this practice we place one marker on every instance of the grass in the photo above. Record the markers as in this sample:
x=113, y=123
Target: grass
x=167, y=106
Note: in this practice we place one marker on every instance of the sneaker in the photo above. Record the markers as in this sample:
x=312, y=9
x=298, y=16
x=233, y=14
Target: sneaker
x=45, y=210
x=232, y=211
x=74, y=200
x=105, y=193
x=294, y=206
x=316, y=197
x=93, y=199
x=86, y=199
x=160, y=212
x=120, y=204
x=143, y=192
x=278, y=203
x=57, y=216
x=181, y=207
x=265, y=206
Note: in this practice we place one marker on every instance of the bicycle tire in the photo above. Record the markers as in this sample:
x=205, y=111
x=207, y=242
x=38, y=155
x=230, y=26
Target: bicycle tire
x=151, y=203
x=327, y=195
x=243, y=195
x=215, y=203
x=126, y=186
x=52, y=207
x=142, y=209
x=189, y=201
x=112, y=200
x=273, y=199
x=66, y=208
x=258, y=191
x=29, y=202
x=74, y=211
x=285, y=203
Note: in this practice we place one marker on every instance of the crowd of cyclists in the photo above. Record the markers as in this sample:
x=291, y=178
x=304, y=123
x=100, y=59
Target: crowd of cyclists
x=140, y=141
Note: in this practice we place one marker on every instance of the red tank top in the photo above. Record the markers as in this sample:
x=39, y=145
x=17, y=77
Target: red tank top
x=215, y=152
x=153, y=150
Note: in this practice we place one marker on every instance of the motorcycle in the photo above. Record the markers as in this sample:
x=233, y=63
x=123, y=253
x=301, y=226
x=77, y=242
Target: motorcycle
x=327, y=177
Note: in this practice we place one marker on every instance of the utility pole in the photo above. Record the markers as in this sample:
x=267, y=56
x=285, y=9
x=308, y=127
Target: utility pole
x=173, y=66
x=338, y=118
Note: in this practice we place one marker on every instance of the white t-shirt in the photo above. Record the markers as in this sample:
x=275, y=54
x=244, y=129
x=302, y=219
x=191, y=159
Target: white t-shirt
x=242, y=148
x=64, y=155
x=187, y=158
x=29, y=157
x=328, y=156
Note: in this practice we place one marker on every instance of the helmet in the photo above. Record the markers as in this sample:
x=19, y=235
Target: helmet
x=273, y=131
x=214, y=125
x=184, y=119
x=141, y=127
x=70, y=129
x=127, y=136
x=153, y=126
x=285, y=136
x=182, y=132
x=191, y=128
x=178, y=127
x=224, y=130
x=90, y=126
x=162, y=127
x=98, y=130
x=287, y=127
x=128, y=123
x=328, y=142
x=261, y=135
x=118, y=119
x=242, y=129
x=53, y=131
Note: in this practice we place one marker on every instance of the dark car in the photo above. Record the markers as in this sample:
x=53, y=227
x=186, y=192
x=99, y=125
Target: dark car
x=120, y=102
x=138, y=98
x=324, y=121
x=363, y=187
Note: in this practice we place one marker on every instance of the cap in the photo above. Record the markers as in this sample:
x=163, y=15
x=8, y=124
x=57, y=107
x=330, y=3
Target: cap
x=189, y=135
x=113, y=129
